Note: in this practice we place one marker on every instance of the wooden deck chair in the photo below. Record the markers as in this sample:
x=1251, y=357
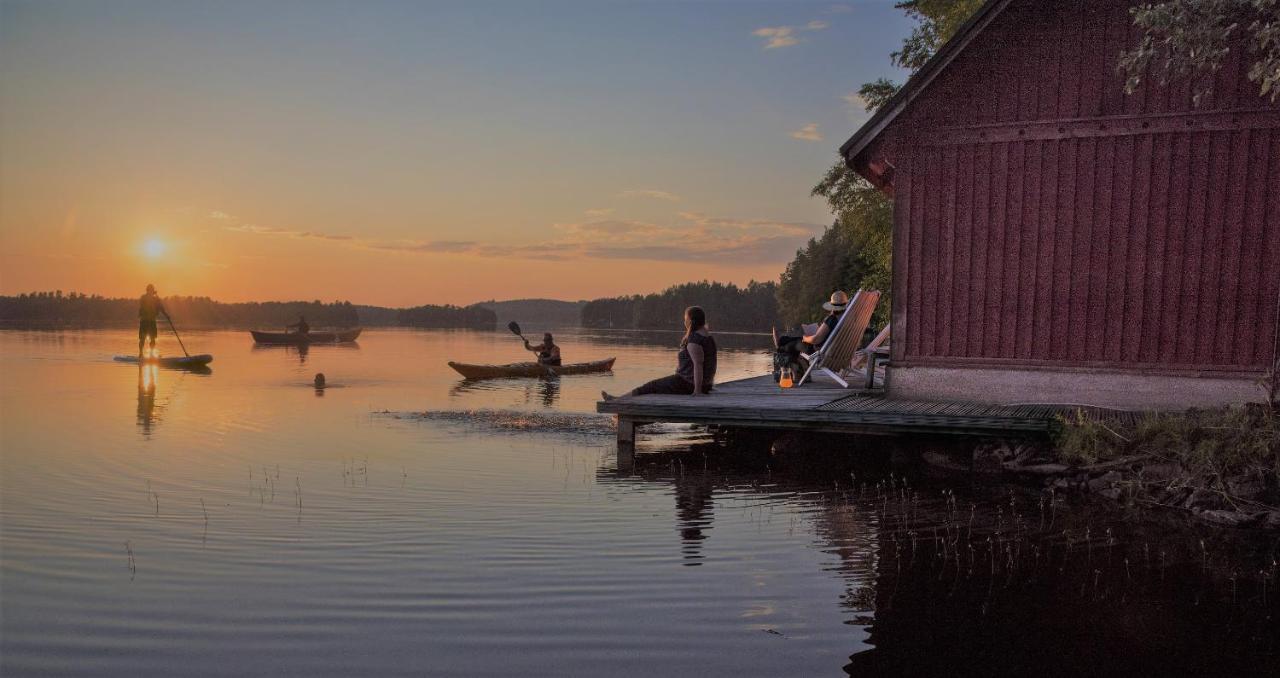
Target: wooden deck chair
x=836, y=354
x=860, y=358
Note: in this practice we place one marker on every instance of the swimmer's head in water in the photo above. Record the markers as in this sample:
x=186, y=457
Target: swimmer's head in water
x=319, y=379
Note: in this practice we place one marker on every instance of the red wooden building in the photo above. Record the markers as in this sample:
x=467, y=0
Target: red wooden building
x=1056, y=240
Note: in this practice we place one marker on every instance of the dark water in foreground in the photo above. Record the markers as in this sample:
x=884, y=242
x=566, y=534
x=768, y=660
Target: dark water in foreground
x=237, y=523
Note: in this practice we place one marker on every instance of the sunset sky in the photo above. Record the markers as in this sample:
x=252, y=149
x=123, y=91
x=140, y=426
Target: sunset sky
x=409, y=153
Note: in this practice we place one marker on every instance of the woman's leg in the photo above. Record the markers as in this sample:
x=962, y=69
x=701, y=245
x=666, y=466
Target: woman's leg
x=672, y=384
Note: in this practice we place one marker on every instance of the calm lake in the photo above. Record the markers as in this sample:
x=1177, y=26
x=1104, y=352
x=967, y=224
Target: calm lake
x=405, y=522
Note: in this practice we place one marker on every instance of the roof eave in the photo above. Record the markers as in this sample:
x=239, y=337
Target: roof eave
x=921, y=79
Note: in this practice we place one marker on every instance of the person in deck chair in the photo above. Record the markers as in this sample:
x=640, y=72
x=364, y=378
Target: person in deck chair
x=811, y=337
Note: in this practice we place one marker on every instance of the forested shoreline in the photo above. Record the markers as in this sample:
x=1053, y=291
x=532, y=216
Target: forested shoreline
x=752, y=308
x=75, y=310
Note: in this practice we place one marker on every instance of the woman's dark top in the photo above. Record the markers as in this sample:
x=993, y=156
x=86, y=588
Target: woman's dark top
x=684, y=364
x=830, y=321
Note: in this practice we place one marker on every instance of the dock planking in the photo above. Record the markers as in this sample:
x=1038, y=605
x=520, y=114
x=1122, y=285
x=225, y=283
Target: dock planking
x=758, y=402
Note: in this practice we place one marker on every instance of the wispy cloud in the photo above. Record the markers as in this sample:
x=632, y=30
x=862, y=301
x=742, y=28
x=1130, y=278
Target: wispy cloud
x=777, y=36
x=271, y=230
x=220, y=216
x=693, y=237
x=808, y=133
x=597, y=213
x=786, y=36
x=649, y=193
x=839, y=9
x=690, y=236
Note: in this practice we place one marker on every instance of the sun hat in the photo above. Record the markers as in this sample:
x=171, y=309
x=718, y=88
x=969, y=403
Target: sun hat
x=838, y=301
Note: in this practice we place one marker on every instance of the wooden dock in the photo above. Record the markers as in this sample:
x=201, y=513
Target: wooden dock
x=758, y=402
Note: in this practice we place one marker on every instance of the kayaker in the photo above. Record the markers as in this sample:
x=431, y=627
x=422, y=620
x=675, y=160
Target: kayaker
x=695, y=363
x=548, y=352
x=301, y=326
x=149, y=308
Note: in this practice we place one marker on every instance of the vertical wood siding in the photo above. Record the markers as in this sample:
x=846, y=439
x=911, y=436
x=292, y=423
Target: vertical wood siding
x=1114, y=244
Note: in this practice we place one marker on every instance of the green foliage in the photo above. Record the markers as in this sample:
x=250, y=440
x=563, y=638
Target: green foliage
x=936, y=22
x=729, y=307
x=1190, y=39
x=877, y=93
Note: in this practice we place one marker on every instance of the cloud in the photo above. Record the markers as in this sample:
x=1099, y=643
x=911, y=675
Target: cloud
x=808, y=133
x=220, y=216
x=777, y=36
x=786, y=36
x=649, y=193
x=600, y=212
x=839, y=9
x=271, y=230
x=694, y=237
x=448, y=246
x=855, y=100
x=689, y=237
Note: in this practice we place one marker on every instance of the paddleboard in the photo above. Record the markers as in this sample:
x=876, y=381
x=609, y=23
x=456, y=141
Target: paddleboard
x=169, y=361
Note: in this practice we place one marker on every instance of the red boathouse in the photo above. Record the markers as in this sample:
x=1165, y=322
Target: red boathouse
x=1056, y=240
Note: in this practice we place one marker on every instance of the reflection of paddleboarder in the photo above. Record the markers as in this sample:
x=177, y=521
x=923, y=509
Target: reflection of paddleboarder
x=146, y=397
x=149, y=308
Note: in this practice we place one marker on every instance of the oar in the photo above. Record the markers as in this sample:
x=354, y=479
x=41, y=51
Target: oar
x=176, y=335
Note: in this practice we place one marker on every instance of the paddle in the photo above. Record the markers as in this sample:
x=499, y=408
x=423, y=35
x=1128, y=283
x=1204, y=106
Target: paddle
x=176, y=335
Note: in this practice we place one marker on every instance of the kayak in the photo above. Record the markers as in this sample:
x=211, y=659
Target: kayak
x=293, y=338
x=530, y=369
x=183, y=361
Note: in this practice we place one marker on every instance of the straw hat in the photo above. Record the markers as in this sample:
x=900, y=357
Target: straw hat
x=838, y=301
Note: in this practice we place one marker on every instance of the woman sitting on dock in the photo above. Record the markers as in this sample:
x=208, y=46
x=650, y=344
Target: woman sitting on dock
x=812, y=336
x=695, y=363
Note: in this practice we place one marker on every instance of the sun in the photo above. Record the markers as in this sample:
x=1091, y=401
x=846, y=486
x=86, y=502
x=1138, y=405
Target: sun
x=154, y=248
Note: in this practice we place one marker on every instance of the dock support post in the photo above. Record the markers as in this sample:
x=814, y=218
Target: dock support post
x=626, y=443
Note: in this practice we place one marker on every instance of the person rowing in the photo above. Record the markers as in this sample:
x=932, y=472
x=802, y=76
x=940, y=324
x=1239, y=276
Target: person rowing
x=301, y=327
x=149, y=308
x=548, y=353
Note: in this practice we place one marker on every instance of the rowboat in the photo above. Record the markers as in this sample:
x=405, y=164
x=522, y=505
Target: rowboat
x=182, y=361
x=293, y=338
x=530, y=369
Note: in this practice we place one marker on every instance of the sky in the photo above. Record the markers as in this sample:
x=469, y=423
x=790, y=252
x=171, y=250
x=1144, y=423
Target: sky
x=421, y=152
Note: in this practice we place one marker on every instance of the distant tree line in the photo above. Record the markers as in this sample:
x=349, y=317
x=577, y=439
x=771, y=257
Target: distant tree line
x=753, y=308
x=55, y=309
x=470, y=317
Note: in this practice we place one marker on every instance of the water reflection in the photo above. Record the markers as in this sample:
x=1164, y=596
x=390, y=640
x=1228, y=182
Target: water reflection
x=302, y=351
x=996, y=580
x=694, y=514
x=148, y=375
x=543, y=391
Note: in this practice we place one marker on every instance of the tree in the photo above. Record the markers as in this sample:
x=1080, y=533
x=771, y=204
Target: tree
x=1190, y=39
